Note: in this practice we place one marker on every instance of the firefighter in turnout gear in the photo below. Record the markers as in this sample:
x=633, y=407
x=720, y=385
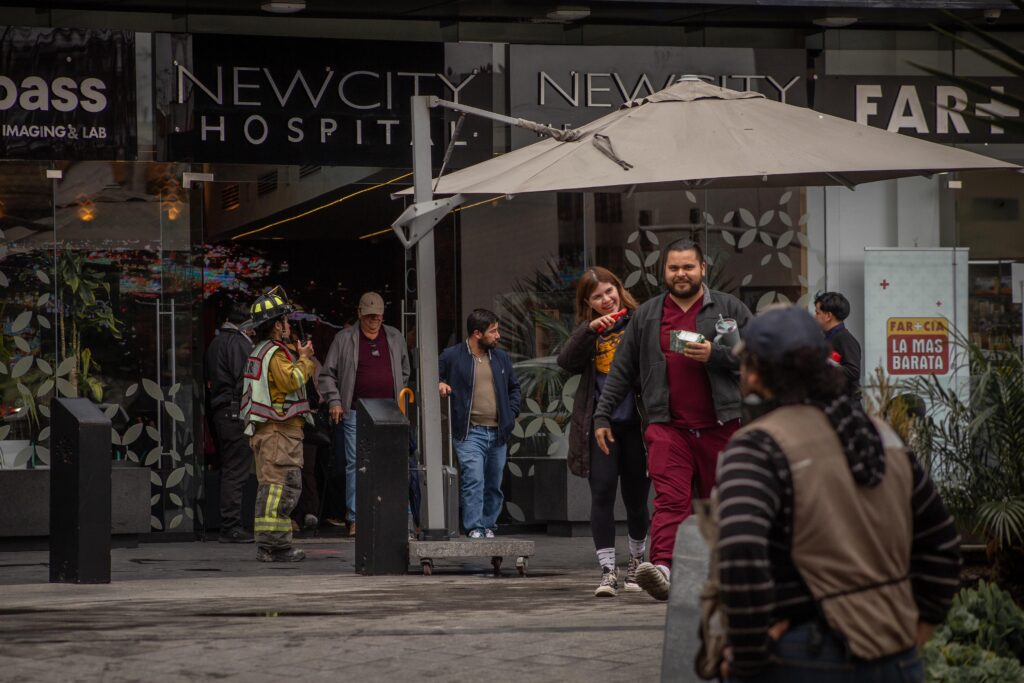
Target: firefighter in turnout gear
x=274, y=409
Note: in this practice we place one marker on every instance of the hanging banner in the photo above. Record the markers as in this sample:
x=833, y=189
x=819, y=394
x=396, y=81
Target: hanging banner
x=67, y=94
x=331, y=102
x=915, y=308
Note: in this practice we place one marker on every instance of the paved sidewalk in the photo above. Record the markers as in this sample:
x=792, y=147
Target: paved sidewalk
x=199, y=611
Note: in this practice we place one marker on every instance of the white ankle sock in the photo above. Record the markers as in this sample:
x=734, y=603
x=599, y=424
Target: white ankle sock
x=665, y=570
x=637, y=548
x=606, y=558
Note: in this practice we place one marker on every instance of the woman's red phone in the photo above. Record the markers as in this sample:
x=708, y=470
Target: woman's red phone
x=615, y=316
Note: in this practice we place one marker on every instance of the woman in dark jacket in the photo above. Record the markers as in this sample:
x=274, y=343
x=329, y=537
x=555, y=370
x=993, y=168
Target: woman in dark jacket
x=600, y=296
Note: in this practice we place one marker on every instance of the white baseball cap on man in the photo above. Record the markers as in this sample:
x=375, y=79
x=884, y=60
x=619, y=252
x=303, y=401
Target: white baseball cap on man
x=371, y=303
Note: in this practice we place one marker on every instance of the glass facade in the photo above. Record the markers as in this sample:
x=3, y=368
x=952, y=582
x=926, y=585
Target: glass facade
x=114, y=274
x=522, y=258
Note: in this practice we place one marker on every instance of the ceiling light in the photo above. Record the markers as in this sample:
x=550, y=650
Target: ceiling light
x=835, y=22
x=568, y=14
x=284, y=6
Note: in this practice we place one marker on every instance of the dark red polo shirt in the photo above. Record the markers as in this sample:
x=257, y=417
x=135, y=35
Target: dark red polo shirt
x=373, y=374
x=689, y=389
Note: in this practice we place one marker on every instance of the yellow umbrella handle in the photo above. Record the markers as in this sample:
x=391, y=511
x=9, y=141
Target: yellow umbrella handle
x=405, y=396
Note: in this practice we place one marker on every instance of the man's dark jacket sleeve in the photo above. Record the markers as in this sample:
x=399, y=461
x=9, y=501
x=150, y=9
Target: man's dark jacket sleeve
x=848, y=348
x=721, y=355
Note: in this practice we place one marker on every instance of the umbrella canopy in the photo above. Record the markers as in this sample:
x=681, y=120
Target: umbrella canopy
x=694, y=134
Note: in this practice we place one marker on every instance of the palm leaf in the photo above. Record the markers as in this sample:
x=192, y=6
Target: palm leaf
x=1003, y=521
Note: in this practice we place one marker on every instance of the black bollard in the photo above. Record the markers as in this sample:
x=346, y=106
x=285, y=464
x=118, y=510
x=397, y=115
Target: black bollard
x=382, y=488
x=80, y=464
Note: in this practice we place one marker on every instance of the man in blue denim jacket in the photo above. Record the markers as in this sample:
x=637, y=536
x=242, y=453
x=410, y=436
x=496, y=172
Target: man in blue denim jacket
x=484, y=405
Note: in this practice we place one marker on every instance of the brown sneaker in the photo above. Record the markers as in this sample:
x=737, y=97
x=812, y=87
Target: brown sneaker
x=352, y=529
x=653, y=580
x=289, y=555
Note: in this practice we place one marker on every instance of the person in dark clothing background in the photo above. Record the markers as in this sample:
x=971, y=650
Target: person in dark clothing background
x=836, y=555
x=831, y=309
x=225, y=361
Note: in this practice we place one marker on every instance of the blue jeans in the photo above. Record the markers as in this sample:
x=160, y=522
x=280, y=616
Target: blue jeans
x=809, y=653
x=345, y=458
x=481, y=467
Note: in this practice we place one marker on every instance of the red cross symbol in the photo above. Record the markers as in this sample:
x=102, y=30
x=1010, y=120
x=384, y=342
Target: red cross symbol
x=884, y=284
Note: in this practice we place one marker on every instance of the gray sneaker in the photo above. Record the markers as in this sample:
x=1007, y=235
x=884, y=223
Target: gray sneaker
x=652, y=580
x=477, y=533
x=488, y=533
x=630, y=584
x=609, y=586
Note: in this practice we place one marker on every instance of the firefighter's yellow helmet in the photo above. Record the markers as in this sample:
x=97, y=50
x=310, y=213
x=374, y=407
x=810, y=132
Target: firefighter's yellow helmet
x=269, y=306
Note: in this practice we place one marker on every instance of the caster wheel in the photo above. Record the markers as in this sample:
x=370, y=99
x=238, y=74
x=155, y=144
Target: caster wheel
x=496, y=563
x=521, y=565
x=427, y=566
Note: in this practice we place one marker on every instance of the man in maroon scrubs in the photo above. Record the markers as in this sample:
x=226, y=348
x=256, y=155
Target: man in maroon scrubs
x=690, y=391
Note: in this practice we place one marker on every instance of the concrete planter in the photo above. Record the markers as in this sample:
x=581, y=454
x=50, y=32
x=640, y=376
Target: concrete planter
x=25, y=501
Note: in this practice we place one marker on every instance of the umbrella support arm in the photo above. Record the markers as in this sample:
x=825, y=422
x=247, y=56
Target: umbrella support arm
x=539, y=128
x=419, y=219
x=842, y=180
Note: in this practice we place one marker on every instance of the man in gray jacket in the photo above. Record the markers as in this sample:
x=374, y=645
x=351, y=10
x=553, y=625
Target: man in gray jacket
x=690, y=390
x=368, y=360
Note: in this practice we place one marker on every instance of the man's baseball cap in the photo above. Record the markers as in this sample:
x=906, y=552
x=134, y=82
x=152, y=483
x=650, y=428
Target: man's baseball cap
x=779, y=331
x=371, y=303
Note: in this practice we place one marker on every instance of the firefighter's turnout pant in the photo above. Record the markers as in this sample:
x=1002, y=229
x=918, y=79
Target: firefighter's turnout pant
x=277, y=447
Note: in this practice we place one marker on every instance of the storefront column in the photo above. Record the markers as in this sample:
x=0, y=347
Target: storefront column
x=917, y=212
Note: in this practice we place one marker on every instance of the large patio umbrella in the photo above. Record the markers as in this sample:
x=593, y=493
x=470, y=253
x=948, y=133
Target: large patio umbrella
x=694, y=134
x=691, y=134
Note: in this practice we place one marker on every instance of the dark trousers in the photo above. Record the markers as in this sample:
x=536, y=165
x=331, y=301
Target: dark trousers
x=811, y=654
x=235, y=466
x=625, y=465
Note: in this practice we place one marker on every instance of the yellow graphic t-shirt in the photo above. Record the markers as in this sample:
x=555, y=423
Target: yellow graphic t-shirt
x=606, y=345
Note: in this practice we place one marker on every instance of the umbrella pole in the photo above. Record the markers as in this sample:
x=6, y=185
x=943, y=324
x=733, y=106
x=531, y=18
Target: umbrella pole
x=426, y=325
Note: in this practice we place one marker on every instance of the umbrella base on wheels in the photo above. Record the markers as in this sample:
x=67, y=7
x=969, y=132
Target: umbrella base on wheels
x=425, y=552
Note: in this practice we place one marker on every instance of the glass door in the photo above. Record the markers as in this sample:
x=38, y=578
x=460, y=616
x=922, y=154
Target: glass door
x=126, y=291
x=28, y=362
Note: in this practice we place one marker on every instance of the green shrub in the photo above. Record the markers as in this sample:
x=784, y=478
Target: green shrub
x=981, y=641
x=956, y=663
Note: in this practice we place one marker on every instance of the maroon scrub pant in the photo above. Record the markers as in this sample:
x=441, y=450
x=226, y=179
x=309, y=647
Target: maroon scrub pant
x=679, y=460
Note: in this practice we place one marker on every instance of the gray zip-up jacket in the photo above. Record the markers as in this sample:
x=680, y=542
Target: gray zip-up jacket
x=337, y=378
x=639, y=356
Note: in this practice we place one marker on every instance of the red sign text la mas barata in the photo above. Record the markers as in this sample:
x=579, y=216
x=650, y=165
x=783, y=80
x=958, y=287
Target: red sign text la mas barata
x=917, y=346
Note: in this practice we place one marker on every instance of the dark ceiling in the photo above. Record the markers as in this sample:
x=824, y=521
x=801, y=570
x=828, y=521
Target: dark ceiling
x=874, y=13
